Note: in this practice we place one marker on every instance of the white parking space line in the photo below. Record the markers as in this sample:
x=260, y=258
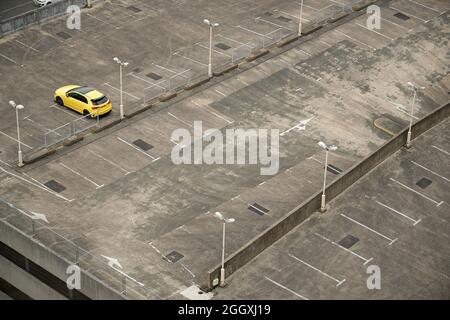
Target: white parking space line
x=409, y=14
x=62, y=110
x=94, y=17
x=221, y=93
x=6, y=164
x=26, y=46
x=24, y=144
x=302, y=52
x=254, y=32
x=286, y=288
x=357, y=41
x=420, y=4
x=212, y=112
x=399, y=213
x=126, y=172
x=391, y=241
x=274, y=24
x=242, y=81
x=207, y=48
x=36, y=185
x=97, y=186
x=117, y=89
x=339, y=282
x=7, y=58
x=345, y=249
x=417, y=192
x=137, y=149
x=190, y=59
x=441, y=150
x=430, y=171
x=232, y=40
x=291, y=15
x=379, y=33
x=181, y=120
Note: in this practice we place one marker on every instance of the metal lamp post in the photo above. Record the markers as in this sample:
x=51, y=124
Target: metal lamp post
x=211, y=26
x=121, y=65
x=411, y=116
x=300, y=19
x=225, y=221
x=322, y=144
x=18, y=107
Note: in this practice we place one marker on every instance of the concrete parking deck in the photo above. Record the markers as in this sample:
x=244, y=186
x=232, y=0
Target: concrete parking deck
x=118, y=194
x=397, y=218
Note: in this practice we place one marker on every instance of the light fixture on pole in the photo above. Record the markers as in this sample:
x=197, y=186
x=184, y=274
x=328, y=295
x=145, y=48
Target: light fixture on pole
x=211, y=26
x=220, y=216
x=18, y=107
x=121, y=65
x=300, y=20
x=411, y=116
x=322, y=144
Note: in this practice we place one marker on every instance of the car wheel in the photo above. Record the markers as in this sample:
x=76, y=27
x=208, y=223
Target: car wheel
x=59, y=101
x=85, y=112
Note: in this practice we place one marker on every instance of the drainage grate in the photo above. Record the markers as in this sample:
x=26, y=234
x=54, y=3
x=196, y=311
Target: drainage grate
x=334, y=169
x=401, y=16
x=284, y=19
x=137, y=70
x=223, y=46
x=154, y=76
x=424, y=183
x=258, y=209
x=55, y=186
x=173, y=257
x=142, y=144
x=64, y=35
x=134, y=9
x=348, y=241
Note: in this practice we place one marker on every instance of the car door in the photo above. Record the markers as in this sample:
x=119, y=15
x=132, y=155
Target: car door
x=76, y=101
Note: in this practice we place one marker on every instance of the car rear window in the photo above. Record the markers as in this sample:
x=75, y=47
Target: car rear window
x=99, y=101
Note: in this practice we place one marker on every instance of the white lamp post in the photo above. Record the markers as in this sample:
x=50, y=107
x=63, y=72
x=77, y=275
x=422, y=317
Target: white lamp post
x=415, y=89
x=18, y=107
x=225, y=221
x=211, y=26
x=322, y=144
x=300, y=19
x=121, y=65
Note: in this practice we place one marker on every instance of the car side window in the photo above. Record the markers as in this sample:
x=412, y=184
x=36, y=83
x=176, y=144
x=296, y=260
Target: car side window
x=78, y=96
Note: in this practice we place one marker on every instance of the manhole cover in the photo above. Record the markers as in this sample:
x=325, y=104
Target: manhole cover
x=258, y=209
x=424, y=183
x=55, y=186
x=348, y=241
x=143, y=145
x=334, y=169
x=134, y=9
x=401, y=16
x=173, y=257
x=64, y=35
x=154, y=76
x=223, y=46
x=284, y=19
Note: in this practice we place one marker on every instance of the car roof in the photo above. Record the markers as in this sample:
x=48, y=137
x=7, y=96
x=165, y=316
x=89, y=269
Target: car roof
x=83, y=90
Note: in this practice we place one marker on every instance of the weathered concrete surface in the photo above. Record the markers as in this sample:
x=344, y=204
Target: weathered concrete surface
x=142, y=207
x=403, y=228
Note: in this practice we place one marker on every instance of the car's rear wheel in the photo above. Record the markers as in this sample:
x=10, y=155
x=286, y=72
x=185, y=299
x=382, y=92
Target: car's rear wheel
x=59, y=101
x=85, y=112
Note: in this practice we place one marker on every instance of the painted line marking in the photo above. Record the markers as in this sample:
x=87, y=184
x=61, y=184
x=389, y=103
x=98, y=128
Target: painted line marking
x=286, y=288
x=62, y=109
x=190, y=59
x=379, y=33
x=126, y=172
x=232, y=40
x=420, y=4
x=274, y=24
x=257, y=33
x=345, y=249
x=399, y=213
x=242, y=81
x=90, y=15
x=365, y=44
x=137, y=149
x=182, y=121
x=303, y=52
x=300, y=126
x=26, y=46
x=207, y=108
x=291, y=15
x=391, y=241
x=7, y=58
x=36, y=185
x=219, y=52
x=117, y=89
x=82, y=176
x=339, y=282
x=24, y=144
x=5, y=163
x=430, y=171
x=441, y=150
x=147, y=81
x=221, y=93
x=417, y=192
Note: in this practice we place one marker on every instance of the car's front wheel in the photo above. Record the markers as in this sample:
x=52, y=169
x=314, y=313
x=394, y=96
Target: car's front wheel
x=86, y=113
x=59, y=101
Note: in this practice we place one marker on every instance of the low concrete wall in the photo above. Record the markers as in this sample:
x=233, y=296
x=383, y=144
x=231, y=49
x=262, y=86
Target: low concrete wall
x=312, y=205
x=53, y=263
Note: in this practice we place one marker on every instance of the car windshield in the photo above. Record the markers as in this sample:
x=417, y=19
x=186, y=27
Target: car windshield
x=99, y=101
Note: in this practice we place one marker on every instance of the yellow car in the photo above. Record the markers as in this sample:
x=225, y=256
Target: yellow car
x=83, y=99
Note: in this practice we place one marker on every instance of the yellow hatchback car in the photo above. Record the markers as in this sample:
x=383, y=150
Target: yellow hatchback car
x=83, y=99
